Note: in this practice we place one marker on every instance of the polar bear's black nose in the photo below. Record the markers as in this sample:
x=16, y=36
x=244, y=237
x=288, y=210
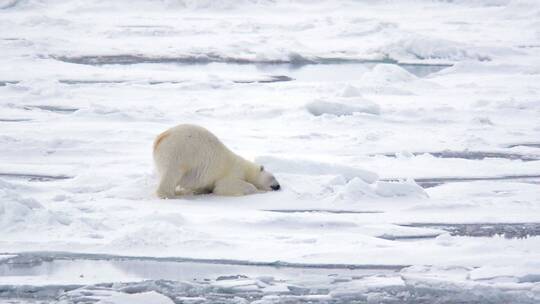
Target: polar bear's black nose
x=275, y=187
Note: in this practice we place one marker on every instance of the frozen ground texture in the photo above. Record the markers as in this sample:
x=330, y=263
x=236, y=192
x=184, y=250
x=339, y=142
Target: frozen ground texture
x=363, y=98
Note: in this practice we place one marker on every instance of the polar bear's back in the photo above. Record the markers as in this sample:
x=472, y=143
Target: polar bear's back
x=192, y=149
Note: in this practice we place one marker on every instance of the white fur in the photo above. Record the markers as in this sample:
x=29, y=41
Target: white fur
x=191, y=158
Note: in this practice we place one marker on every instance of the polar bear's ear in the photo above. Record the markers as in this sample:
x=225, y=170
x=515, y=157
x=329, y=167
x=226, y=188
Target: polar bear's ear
x=262, y=168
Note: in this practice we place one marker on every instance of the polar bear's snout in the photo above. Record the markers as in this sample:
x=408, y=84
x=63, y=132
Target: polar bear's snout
x=275, y=184
x=266, y=181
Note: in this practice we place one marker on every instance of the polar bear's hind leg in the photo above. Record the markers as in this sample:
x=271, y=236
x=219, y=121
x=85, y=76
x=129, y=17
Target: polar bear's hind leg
x=168, y=183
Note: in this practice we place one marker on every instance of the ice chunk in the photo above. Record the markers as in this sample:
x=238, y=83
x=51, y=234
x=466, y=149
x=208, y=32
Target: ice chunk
x=300, y=166
x=320, y=107
x=142, y=298
x=356, y=188
x=388, y=73
x=404, y=188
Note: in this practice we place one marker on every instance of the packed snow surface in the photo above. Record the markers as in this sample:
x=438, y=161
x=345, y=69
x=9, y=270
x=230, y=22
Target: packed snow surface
x=346, y=102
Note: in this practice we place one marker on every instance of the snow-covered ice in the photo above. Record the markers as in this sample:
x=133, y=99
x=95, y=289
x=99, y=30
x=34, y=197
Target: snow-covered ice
x=400, y=131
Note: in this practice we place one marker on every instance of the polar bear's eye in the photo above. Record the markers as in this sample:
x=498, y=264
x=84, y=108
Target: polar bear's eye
x=262, y=168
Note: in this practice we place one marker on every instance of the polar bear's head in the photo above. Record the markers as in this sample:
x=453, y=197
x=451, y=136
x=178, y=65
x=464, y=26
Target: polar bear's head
x=264, y=180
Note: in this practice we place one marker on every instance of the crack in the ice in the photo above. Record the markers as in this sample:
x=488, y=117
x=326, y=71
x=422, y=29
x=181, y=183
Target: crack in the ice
x=51, y=108
x=430, y=182
x=56, y=255
x=407, y=291
x=530, y=145
x=391, y=237
x=277, y=78
x=472, y=155
x=14, y=119
x=508, y=230
x=125, y=59
x=35, y=177
x=337, y=211
x=229, y=288
x=4, y=83
x=270, y=79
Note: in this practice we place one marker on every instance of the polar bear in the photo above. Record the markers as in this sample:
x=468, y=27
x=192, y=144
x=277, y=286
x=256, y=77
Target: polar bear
x=194, y=160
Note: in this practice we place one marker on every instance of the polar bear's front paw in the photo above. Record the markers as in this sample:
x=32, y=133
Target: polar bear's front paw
x=249, y=189
x=234, y=187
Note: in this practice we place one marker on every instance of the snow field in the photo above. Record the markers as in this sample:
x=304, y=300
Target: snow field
x=364, y=95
